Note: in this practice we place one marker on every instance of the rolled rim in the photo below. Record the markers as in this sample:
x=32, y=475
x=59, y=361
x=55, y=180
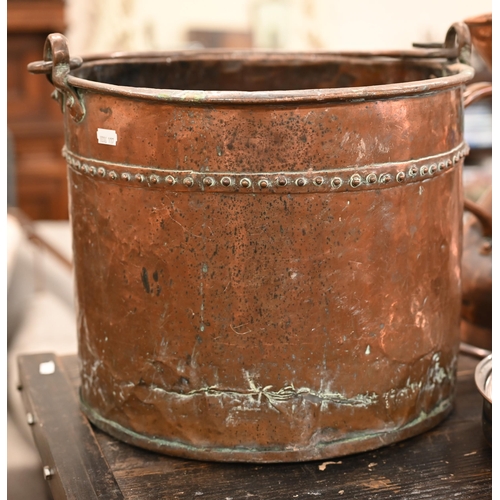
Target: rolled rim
x=461, y=75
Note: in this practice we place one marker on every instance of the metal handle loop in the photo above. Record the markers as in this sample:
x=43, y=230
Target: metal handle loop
x=57, y=65
x=45, y=67
x=457, y=44
x=458, y=36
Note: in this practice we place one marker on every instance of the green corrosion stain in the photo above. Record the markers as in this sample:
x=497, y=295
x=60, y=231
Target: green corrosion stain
x=195, y=97
x=185, y=96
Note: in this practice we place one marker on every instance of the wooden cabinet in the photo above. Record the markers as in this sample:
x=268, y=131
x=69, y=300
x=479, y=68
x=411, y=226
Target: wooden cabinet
x=33, y=117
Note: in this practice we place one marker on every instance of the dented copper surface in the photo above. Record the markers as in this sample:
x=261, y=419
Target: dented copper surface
x=267, y=269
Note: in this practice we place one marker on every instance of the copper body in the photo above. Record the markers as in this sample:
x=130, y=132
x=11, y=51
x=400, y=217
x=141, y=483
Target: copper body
x=267, y=269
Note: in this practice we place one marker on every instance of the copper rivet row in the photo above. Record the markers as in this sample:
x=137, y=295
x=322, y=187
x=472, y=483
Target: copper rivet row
x=354, y=180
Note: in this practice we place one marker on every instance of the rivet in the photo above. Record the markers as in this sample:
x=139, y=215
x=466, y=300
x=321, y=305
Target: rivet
x=336, y=182
x=82, y=166
x=413, y=171
x=112, y=175
x=282, y=181
x=139, y=177
x=385, y=178
x=442, y=165
x=245, y=182
x=424, y=170
x=92, y=170
x=449, y=162
x=300, y=182
x=318, y=180
x=371, y=178
x=263, y=183
x=154, y=179
x=188, y=182
x=225, y=181
x=101, y=171
x=400, y=176
x=125, y=176
x=47, y=473
x=355, y=180
x=30, y=418
x=208, y=181
x=169, y=180
x=433, y=168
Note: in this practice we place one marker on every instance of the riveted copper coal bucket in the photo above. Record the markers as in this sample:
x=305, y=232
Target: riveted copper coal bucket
x=266, y=245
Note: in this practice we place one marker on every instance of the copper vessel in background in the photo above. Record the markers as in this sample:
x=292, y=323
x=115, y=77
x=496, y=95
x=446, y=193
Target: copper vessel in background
x=481, y=32
x=477, y=273
x=477, y=257
x=267, y=246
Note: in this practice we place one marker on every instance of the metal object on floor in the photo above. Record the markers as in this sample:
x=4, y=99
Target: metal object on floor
x=266, y=245
x=483, y=378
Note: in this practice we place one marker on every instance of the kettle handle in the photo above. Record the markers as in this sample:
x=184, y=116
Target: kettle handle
x=477, y=91
x=482, y=215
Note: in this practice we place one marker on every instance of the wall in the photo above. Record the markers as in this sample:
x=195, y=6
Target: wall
x=97, y=26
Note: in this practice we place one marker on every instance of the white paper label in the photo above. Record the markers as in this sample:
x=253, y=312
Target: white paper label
x=106, y=136
x=47, y=368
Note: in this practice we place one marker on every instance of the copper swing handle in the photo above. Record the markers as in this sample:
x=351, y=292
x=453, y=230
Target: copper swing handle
x=56, y=65
x=45, y=67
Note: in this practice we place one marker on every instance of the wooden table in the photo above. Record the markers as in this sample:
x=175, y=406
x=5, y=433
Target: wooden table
x=452, y=461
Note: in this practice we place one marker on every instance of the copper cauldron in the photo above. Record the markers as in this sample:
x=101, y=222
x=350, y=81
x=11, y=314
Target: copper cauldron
x=266, y=245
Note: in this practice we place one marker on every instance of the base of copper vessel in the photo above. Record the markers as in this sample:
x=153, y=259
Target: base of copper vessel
x=359, y=442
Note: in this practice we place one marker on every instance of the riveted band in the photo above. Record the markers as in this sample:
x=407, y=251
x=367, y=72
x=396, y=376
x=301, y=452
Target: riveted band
x=350, y=178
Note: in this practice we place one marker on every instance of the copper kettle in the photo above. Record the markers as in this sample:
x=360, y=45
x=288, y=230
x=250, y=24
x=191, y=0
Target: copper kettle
x=477, y=247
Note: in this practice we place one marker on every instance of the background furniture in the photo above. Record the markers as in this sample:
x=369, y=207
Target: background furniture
x=34, y=119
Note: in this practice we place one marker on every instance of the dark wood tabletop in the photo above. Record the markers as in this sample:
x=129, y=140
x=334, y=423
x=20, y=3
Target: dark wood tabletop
x=452, y=461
